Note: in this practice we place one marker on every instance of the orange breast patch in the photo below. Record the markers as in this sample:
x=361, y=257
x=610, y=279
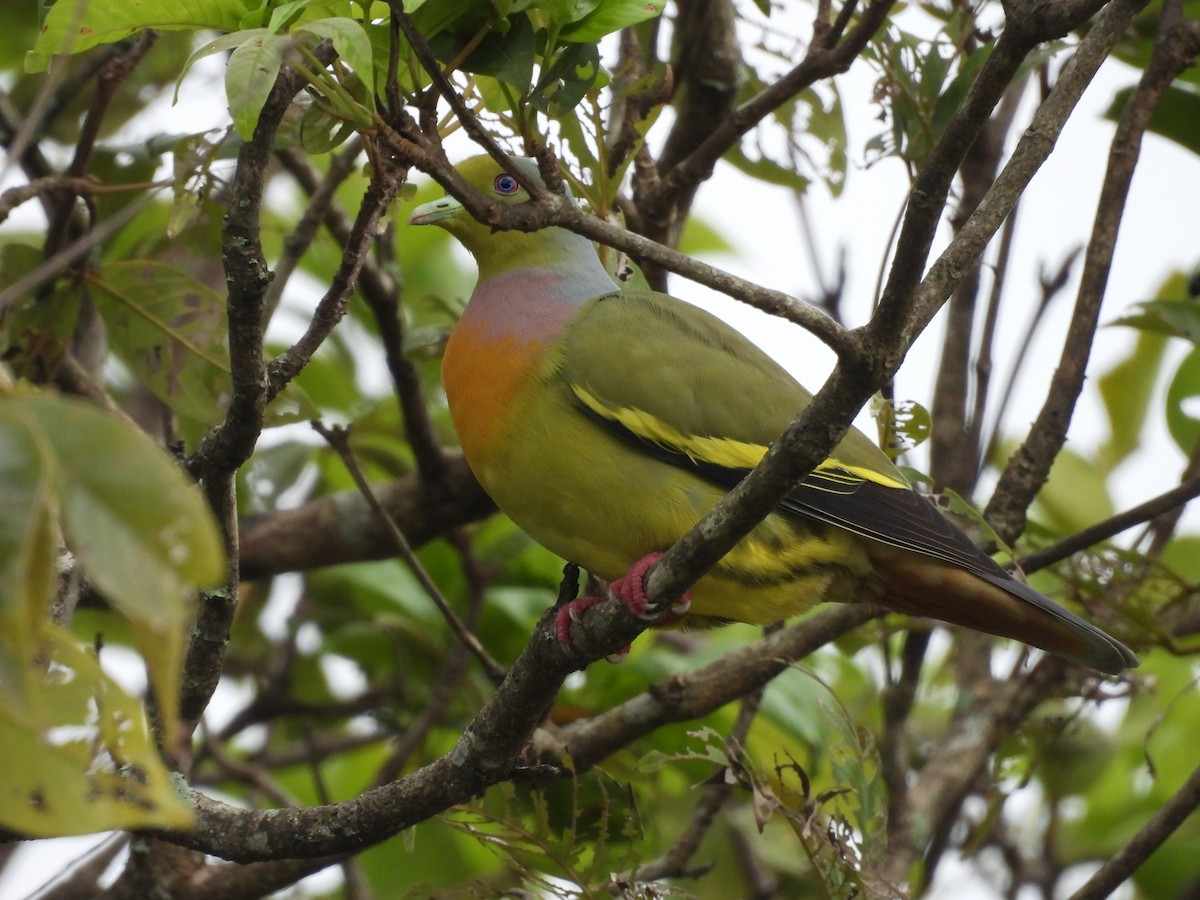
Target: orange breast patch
x=482, y=376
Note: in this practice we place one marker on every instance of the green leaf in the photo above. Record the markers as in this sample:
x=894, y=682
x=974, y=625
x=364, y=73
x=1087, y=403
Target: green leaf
x=610, y=16
x=291, y=405
x=565, y=81
x=251, y=74
x=85, y=760
x=700, y=238
x=36, y=330
x=73, y=26
x=169, y=329
x=1127, y=389
x=27, y=537
x=766, y=170
x=287, y=16
x=855, y=764
x=145, y=538
x=138, y=524
x=564, y=12
x=1076, y=494
x=219, y=45
x=1178, y=318
x=508, y=57
x=349, y=40
x=827, y=123
x=1176, y=117
x=902, y=424
x=1183, y=418
x=432, y=19
x=321, y=130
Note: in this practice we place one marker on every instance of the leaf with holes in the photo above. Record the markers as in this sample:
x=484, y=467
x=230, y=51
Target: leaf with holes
x=169, y=329
x=81, y=758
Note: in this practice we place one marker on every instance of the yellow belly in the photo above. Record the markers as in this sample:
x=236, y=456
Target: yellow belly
x=594, y=500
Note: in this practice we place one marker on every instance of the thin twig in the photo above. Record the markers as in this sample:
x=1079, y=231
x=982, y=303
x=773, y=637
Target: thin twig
x=331, y=308
x=673, y=863
x=65, y=258
x=492, y=743
x=337, y=438
x=320, y=199
x=226, y=448
x=1149, y=838
x=1102, y=531
x=247, y=773
x=1029, y=467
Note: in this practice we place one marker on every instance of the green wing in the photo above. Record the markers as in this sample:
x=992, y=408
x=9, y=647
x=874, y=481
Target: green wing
x=685, y=387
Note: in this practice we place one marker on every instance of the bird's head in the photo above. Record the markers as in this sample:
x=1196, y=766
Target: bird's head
x=494, y=250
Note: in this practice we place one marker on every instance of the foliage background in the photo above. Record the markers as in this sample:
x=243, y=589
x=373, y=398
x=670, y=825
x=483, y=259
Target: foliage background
x=346, y=676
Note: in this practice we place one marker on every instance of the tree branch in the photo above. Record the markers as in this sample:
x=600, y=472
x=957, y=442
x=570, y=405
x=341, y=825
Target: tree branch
x=1029, y=467
x=1161, y=826
x=341, y=528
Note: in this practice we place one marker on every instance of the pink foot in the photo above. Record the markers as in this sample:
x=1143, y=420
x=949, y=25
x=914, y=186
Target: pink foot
x=631, y=590
x=570, y=613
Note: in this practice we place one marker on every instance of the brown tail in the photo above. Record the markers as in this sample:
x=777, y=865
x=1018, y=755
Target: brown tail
x=998, y=605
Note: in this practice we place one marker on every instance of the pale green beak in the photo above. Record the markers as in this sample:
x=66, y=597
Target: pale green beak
x=434, y=211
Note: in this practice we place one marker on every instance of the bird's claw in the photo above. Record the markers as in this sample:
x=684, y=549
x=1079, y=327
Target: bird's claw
x=631, y=588
x=570, y=613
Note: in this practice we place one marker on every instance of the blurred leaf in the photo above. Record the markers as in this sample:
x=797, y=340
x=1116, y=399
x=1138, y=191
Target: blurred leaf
x=85, y=761
x=72, y=26
x=36, y=330
x=249, y=77
x=766, y=170
x=139, y=527
x=1177, y=318
x=1176, y=116
x=28, y=542
x=954, y=92
x=1127, y=389
x=827, y=123
x=1137, y=44
x=322, y=130
x=1182, y=555
x=291, y=405
x=138, y=524
x=609, y=16
x=702, y=238
x=1076, y=494
x=1183, y=399
x=170, y=330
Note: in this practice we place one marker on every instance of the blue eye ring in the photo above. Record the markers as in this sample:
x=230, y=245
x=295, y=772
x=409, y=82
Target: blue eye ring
x=505, y=185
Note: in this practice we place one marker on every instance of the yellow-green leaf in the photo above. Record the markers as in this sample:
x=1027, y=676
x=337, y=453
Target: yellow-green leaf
x=169, y=329
x=87, y=762
x=140, y=527
x=72, y=26
x=27, y=544
x=253, y=68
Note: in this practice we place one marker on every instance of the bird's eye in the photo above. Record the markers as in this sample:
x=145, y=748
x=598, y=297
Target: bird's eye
x=506, y=185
